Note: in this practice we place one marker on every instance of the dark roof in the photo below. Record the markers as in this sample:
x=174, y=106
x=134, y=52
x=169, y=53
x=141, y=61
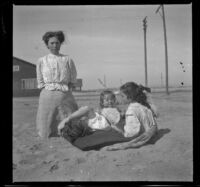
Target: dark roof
x=24, y=61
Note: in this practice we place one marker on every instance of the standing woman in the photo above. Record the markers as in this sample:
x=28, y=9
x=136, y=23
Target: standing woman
x=56, y=74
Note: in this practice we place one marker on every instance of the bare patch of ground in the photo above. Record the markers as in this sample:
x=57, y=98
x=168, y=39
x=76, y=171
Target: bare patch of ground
x=168, y=157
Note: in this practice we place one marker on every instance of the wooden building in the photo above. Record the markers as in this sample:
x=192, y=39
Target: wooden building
x=24, y=79
x=78, y=85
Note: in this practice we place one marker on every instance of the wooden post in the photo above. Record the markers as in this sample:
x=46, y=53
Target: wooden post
x=166, y=54
x=161, y=80
x=145, y=51
x=104, y=80
x=165, y=40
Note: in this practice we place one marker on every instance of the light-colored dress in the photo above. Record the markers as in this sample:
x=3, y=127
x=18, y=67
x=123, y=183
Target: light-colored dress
x=104, y=119
x=54, y=73
x=112, y=115
x=138, y=118
x=98, y=122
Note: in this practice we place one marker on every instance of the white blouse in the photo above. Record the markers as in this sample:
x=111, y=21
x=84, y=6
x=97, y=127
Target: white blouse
x=55, y=72
x=104, y=119
x=137, y=117
x=98, y=122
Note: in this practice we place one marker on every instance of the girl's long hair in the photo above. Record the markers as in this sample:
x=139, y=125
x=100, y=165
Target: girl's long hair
x=134, y=92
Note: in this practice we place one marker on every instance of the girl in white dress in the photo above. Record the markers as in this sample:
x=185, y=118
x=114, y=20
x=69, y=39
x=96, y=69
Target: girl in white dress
x=56, y=74
x=140, y=116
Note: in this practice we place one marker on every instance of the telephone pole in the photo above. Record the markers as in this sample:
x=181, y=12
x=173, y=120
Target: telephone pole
x=161, y=80
x=104, y=80
x=145, y=49
x=165, y=39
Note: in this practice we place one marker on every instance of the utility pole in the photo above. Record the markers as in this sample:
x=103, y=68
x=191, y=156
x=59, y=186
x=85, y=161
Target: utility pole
x=161, y=80
x=165, y=39
x=104, y=80
x=145, y=49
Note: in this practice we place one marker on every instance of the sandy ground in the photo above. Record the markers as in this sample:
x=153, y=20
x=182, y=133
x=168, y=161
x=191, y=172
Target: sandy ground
x=168, y=158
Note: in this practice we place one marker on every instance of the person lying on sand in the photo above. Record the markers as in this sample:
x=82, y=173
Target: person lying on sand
x=86, y=120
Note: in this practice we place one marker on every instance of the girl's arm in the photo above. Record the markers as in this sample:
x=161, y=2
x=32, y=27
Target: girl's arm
x=117, y=129
x=73, y=71
x=132, y=125
x=40, y=80
x=77, y=114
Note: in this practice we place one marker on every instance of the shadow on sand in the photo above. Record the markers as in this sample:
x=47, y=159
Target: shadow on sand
x=160, y=133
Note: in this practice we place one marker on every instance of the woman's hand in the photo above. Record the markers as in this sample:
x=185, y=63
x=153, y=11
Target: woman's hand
x=62, y=124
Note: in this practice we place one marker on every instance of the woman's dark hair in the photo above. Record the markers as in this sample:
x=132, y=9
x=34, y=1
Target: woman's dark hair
x=58, y=34
x=74, y=129
x=102, y=95
x=134, y=92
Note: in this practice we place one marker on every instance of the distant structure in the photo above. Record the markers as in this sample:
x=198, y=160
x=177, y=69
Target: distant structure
x=78, y=85
x=25, y=81
x=24, y=78
x=102, y=83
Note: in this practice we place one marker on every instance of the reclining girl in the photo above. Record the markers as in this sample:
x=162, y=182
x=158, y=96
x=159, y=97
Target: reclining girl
x=138, y=124
x=86, y=120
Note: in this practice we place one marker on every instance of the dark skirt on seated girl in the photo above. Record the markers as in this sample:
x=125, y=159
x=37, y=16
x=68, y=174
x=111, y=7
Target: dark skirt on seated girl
x=113, y=140
x=78, y=133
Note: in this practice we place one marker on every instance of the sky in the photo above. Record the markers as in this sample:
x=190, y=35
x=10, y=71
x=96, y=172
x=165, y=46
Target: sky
x=107, y=41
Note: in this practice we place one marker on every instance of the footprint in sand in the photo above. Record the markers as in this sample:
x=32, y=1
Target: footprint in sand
x=100, y=157
x=35, y=148
x=50, y=158
x=27, y=163
x=54, y=167
x=80, y=160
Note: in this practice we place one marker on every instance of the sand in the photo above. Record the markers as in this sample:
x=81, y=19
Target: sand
x=169, y=157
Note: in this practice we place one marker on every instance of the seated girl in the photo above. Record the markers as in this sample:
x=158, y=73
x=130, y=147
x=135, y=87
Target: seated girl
x=140, y=116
